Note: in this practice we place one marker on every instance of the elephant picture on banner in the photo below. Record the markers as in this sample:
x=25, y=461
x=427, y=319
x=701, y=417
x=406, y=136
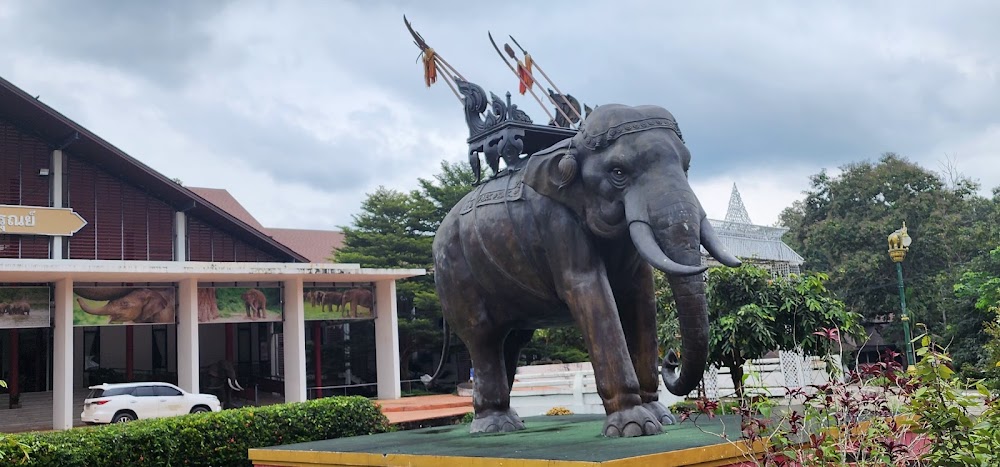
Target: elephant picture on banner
x=124, y=305
x=355, y=299
x=220, y=379
x=24, y=307
x=238, y=304
x=255, y=303
x=570, y=235
x=328, y=301
x=344, y=302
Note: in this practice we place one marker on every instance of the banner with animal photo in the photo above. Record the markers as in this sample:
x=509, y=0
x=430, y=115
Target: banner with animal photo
x=341, y=302
x=111, y=305
x=239, y=304
x=24, y=307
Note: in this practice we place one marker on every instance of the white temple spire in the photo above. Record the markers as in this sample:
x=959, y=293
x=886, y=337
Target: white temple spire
x=737, y=212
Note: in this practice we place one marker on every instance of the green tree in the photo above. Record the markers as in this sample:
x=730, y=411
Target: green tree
x=842, y=224
x=752, y=313
x=396, y=230
x=980, y=285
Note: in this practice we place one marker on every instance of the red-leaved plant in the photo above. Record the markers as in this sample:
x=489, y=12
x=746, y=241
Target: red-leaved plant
x=877, y=415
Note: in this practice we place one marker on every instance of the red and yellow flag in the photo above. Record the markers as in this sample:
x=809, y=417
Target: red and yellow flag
x=430, y=68
x=524, y=71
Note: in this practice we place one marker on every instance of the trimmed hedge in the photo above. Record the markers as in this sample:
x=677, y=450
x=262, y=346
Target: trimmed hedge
x=208, y=439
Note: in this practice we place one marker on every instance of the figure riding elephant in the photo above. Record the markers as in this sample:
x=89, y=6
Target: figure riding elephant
x=570, y=235
x=220, y=378
x=127, y=304
x=255, y=303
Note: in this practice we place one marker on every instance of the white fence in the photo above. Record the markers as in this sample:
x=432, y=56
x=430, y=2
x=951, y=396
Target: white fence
x=769, y=376
x=538, y=388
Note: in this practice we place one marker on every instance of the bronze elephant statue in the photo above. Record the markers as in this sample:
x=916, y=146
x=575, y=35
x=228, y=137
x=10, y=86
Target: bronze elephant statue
x=220, y=378
x=127, y=304
x=570, y=235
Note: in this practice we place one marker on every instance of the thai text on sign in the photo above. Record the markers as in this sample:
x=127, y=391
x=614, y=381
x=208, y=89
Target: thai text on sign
x=39, y=220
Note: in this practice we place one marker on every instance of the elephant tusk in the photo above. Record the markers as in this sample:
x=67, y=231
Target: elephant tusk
x=234, y=388
x=645, y=244
x=710, y=240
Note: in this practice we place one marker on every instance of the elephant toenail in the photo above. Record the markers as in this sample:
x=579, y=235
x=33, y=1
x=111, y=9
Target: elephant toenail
x=612, y=432
x=632, y=429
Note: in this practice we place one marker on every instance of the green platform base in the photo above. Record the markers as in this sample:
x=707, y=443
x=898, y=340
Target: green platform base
x=561, y=441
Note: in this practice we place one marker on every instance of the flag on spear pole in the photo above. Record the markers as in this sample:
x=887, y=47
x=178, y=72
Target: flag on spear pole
x=524, y=71
x=430, y=68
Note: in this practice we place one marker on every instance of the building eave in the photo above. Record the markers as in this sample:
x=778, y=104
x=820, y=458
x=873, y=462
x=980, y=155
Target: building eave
x=50, y=270
x=39, y=120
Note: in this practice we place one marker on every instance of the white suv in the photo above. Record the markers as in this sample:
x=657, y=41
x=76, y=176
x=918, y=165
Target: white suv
x=123, y=402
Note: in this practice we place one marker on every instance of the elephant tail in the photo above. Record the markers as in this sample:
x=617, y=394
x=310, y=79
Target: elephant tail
x=444, y=356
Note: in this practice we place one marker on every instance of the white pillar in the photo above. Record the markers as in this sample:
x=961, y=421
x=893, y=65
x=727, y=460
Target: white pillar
x=294, y=329
x=56, y=179
x=180, y=236
x=62, y=357
x=387, y=341
x=187, y=335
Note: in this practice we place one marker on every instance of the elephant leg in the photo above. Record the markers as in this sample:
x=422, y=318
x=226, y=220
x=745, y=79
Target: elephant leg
x=637, y=308
x=491, y=395
x=485, y=341
x=512, y=346
x=592, y=302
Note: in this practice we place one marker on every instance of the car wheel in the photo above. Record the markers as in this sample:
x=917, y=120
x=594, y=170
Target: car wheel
x=200, y=409
x=123, y=417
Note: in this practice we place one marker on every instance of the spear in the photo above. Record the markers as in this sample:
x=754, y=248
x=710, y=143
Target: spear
x=528, y=85
x=546, y=109
x=438, y=62
x=577, y=112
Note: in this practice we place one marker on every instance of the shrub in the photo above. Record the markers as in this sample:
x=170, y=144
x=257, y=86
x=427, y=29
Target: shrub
x=878, y=416
x=218, y=438
x=559, y=411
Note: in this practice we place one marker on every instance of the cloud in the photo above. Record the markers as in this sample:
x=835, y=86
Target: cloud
x=300, y=108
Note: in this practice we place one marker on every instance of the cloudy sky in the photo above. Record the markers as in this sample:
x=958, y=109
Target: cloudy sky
x=301, y=108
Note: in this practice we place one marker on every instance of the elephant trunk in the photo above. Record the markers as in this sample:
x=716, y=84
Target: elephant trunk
x=692, y=316
x=101, y=311
x=675, y=231
x=103, y=293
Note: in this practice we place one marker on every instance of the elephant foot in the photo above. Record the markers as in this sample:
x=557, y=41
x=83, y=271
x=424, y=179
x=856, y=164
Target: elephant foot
x=631, y=422
x=660, y=412
x=497, y=422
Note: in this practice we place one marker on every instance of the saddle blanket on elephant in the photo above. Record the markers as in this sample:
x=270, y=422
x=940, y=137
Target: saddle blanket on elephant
x=501, y=189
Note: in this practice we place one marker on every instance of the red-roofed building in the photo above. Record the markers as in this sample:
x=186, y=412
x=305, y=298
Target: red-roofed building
x=87, y=232
x=316, y=246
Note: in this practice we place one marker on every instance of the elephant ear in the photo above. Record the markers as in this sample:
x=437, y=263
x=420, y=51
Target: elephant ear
x=554, y=172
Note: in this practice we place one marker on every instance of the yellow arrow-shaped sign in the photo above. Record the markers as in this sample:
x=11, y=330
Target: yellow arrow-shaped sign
x=39, y=220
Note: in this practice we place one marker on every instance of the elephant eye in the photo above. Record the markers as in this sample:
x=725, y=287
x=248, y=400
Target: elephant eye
x=618, y=177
